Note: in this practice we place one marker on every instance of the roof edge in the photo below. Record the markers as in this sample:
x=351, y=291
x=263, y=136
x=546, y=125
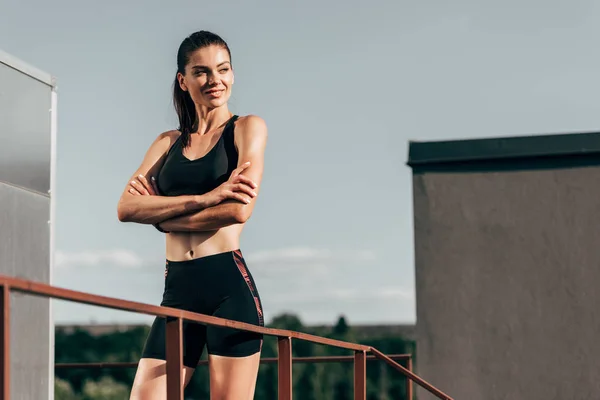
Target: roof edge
x=27, y=69
x=514, y=147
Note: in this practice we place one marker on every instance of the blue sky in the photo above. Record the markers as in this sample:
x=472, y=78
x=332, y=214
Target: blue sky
x=343, y=87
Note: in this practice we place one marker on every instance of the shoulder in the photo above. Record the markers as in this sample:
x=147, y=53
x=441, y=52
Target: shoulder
x=250, y=134
x=168, y=136
x=165, y=140
x=251, y=126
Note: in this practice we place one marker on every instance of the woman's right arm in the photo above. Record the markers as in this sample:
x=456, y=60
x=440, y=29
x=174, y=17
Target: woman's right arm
x=155, y=209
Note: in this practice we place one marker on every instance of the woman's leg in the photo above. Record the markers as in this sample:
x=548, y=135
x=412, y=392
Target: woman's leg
x=234, y=356
x=233, y=378
x=150, y=381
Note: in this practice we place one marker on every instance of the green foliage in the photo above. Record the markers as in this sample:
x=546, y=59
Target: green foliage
x=106, y=388
x=64, y=391
x=324, y=381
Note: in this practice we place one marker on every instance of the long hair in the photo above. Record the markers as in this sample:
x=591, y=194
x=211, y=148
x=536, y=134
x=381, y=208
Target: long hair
x=184, y=105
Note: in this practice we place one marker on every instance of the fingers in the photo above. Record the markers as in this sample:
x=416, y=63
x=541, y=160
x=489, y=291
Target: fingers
x=242, y=187
x=244, y=179
x=240, y=197
x=139, y=188
x=240, y=169
x=147, y=186
x=241, y=192
x=143, y=187
x=134, y=192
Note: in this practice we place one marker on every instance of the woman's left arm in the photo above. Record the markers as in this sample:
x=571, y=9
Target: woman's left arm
x=251, y=140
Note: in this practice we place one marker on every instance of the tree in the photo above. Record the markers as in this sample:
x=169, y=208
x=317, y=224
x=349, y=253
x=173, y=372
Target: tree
x=341, y=328
x=63, y=390
x=306, y=388
x=105, y=389
x=287, y=321
x=325, y=381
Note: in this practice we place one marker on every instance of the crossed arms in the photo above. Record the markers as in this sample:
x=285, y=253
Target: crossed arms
x=230, y=203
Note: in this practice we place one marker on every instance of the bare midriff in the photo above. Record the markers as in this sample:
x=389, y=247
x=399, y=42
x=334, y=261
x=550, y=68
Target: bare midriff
x=182, y=246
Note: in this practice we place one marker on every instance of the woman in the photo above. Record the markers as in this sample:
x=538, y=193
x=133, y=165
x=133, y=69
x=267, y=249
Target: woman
x=198, y=184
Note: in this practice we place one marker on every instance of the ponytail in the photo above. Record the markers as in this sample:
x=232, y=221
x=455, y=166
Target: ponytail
x=186, y=112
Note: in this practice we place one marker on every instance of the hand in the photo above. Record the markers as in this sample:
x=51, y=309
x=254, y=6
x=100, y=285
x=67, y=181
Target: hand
x=141, y=186
x=238, y=187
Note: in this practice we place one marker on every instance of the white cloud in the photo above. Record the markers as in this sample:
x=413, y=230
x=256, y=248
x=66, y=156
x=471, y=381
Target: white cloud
x=304, y=260
x=112, y=257
x=321, y=283
x=303, y=254
x=345, y=295
x=318, y=284
x=395, y=293
x=324, y=305
x=289, y=254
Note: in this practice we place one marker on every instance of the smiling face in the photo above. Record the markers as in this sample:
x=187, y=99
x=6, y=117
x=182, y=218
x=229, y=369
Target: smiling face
x=208, y=76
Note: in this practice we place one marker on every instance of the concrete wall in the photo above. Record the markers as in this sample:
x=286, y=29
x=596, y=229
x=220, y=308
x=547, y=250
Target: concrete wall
x=507, y=273
x=26, y=137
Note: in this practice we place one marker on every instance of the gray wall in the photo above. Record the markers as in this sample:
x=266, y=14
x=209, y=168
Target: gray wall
x=25, y=205
x=507, y=275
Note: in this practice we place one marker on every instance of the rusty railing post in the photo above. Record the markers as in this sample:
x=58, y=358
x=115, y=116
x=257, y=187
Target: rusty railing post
x=284, y=368
x=174, y=359
x=360, y=375
x=5, y=340
x=409, y=382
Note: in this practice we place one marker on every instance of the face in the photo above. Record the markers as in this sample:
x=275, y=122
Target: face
x=208, y=77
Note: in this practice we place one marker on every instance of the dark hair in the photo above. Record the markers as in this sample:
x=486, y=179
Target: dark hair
x=184, y=105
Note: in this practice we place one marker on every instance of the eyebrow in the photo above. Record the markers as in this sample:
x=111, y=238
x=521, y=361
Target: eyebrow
x=205, y=67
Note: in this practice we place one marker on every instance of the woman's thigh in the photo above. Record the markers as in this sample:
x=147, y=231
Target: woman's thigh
x=150, y=381
x=233, y=378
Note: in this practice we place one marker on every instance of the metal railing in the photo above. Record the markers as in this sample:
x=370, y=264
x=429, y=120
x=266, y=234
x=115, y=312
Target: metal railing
x=174, y=343
x=406, y=358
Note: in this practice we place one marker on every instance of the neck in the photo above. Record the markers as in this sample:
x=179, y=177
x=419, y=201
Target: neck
x=210, y=119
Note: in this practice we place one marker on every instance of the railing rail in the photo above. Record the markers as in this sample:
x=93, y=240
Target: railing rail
x=265, y=360
x=174, y=344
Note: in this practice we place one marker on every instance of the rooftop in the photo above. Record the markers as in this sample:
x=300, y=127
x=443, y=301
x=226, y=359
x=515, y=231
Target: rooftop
x=503, y=148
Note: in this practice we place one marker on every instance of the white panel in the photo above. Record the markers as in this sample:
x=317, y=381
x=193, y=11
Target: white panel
x=24, y=130
x=25, y=253
x=27, y=173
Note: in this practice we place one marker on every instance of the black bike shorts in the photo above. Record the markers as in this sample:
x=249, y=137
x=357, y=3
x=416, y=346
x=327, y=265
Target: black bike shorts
x=219, y=285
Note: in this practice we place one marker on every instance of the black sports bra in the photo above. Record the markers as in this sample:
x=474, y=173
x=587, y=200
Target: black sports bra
x=182, y=176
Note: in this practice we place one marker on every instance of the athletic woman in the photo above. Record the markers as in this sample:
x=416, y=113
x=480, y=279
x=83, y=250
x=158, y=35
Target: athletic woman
x=198, y=184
